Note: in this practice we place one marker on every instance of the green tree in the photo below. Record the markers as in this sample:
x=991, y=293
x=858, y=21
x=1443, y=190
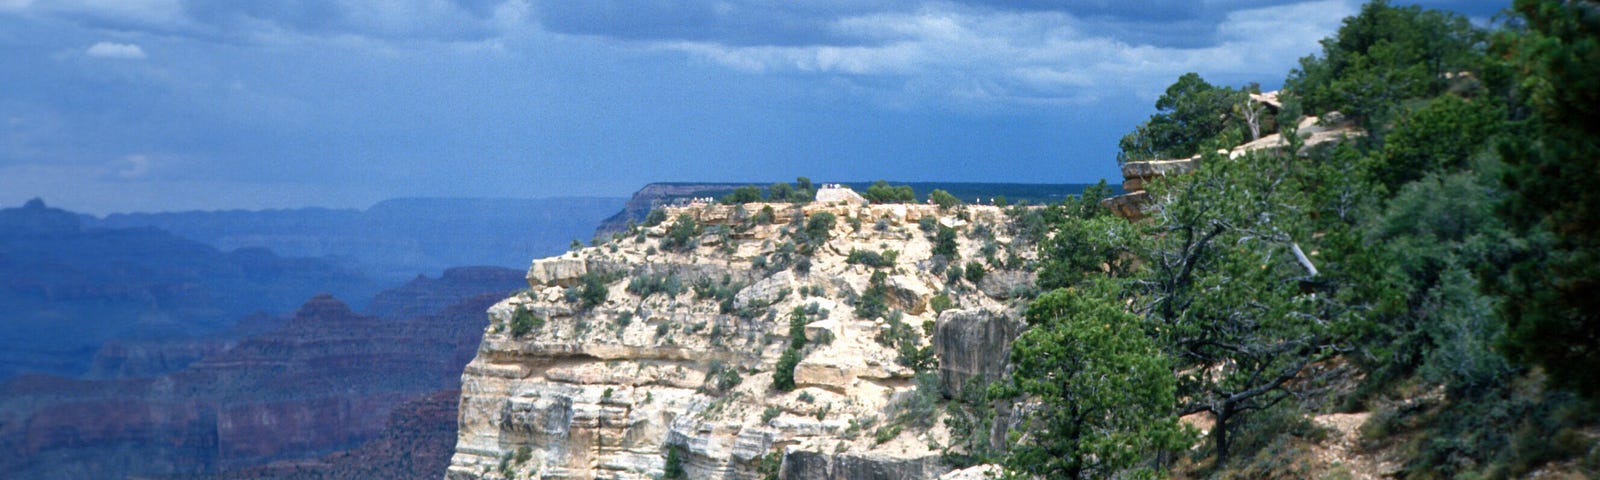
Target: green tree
x=745, y=194
x=1552, y=305
x=1105, y=392
x=1084, y=249
x=1384, y=55
x=681, y=235
x=881, y=192
x=1189, y=113
x=818, y=227
x=943, y=199
x=1442, y=135
x=780, y=192
x=944, y=242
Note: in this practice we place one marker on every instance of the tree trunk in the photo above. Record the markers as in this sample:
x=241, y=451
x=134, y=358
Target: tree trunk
x=1219, y=433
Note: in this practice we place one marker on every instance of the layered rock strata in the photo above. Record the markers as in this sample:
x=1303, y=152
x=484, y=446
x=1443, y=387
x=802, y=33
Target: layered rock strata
x=673, y=366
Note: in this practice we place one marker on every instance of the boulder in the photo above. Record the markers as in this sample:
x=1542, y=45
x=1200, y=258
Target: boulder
x=972, y=344
x=765, y=292
x=558, y=271
x=909, y=293
x=1006, y=284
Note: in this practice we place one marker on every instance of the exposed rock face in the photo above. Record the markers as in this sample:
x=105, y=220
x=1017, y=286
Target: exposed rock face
x=972, y=344
x=556, y=271
x=561, y=390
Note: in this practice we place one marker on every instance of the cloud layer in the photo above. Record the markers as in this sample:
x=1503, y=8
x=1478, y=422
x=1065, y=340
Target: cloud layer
x=346, y=102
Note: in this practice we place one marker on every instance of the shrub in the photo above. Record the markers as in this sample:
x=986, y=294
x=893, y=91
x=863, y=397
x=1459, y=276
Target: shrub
x=524, y=321
x=681, y=236
x=941, y=302
x=881, y=192
x=871, y=258
x=943, y=199
x=745, y=194
x=652, y=283
x=721, y=378
x=974, y=272
x=770, y=413
x=874, y=302
x=783, y=374
x=818, y=226
x=944, y=242
x=673, y=470
x=593, y=291
x=655, y=217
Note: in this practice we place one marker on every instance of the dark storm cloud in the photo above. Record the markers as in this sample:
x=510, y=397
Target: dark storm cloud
x=728, y=23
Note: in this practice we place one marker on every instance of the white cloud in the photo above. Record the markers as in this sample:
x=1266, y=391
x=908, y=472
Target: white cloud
x=14, y=4
x=1029, y=57
x=126, y=51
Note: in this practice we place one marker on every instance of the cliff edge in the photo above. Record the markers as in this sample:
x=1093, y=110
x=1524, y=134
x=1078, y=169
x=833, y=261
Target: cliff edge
x=668, y=351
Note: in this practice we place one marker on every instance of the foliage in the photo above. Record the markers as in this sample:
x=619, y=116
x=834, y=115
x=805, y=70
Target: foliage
x=943, y=199
x=592, y=290
x=1440, y=136
x=721, y=378
x=673, y=469
x=681, y=236
x=524, y=321
x=818, y=227
x=1385, y=55
x=871, y=258
x=874, y=301
x=974, y=272
x=941, y=302
x=655, y=217
x=652, y=283
x=1552, y=308
x=745, y=194
x=1081, y=249
x=881, y=192
x=944, y=242
x=1104, y=391
x=783, y=372
x=1187, y=115
x=907, y=343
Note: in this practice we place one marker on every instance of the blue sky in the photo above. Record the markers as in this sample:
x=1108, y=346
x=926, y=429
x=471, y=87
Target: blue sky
x=149, y=105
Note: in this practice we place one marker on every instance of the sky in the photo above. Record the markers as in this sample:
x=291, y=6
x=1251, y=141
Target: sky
x=165, y=105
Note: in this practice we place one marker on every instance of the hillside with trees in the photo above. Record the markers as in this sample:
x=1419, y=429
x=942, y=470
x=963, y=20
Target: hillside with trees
x=1435, y=278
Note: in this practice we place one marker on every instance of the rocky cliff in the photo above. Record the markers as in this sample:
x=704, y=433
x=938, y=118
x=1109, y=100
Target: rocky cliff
x=657, y=353
x=325, y=380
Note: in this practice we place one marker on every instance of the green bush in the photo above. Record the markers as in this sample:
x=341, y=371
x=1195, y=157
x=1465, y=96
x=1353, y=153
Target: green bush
x=681, y=236
x=943, y=199
x=941, y=302
x=874, y=302
x=944, y=242
x=881, y=192
x=524, y=321
x=974, y=272
x=871, y=258
x=593, y=290
x=783, y=373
